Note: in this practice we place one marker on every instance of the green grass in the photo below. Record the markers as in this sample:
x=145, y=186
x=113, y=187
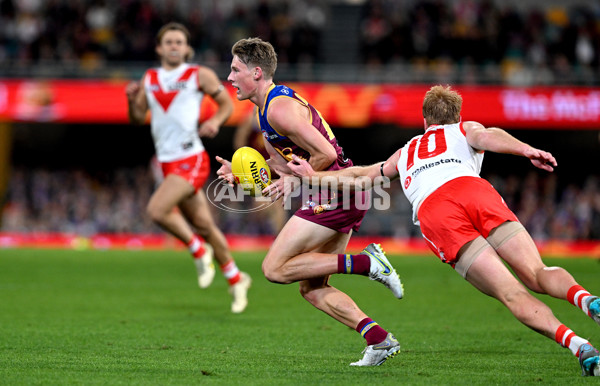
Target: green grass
x=114, y=317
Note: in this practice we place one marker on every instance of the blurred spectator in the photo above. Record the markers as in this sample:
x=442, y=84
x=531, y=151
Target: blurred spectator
x=532, y=45
x=92, y=32
x=536, y=43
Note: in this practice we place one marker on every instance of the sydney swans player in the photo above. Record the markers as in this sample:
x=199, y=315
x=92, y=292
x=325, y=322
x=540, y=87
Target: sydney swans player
x=466, y=223
x=173, y=93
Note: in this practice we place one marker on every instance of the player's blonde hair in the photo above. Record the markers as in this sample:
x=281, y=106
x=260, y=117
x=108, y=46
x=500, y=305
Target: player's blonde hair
x=256, y=52
x=442, y=106
x=172, y=26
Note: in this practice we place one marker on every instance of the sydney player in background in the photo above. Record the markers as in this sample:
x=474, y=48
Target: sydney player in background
x=466, y=223
x=310, y=247
x=173, y=93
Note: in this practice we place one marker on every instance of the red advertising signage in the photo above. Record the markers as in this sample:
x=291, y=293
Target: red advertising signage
x=342, y=105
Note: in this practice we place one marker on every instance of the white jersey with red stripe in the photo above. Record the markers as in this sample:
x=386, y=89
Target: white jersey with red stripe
x=430, y=160
x=174, y=100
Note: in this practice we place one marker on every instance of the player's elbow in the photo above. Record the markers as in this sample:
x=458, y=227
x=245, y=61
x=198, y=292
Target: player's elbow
x=329, y=156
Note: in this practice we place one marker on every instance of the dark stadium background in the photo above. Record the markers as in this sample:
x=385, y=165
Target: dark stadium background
x=517, y=44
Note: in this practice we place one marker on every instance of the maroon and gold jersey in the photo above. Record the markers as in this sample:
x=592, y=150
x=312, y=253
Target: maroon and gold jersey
x=341, y=211
x=283, y=145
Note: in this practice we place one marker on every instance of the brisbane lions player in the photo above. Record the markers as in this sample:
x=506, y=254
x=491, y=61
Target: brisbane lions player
x=310, y=247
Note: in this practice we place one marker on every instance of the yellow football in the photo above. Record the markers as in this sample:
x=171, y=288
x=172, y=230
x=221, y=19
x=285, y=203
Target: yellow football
x=250, y=170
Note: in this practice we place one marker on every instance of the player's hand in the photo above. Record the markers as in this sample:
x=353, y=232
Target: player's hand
x=282, y=188
x=224, y=173
x=209, y=128
x=300, y=167
x=541, y=159
x=132, y=89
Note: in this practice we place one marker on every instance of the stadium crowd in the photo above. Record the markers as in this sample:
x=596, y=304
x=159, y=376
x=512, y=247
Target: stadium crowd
x=74, y=202
x=538, y=43
x=541, y=44
x=94, y=32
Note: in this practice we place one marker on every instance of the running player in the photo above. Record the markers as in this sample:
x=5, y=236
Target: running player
x=310, y=246
x=466, y=223
x=173, y=93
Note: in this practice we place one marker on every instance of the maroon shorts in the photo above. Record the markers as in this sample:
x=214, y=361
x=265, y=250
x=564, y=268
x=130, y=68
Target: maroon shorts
x=341, y=215
x=459, y=211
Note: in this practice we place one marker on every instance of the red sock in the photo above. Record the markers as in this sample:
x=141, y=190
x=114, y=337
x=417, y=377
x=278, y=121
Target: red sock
x=577, y=295
x=231, y=272
x=195, y=247
x=354, y=264
x=567, y=338
x=371, y=331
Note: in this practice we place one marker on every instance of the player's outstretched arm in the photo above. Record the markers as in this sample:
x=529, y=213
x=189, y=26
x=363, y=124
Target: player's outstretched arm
x=499, y=141
x=354, y=178
x=358, y=174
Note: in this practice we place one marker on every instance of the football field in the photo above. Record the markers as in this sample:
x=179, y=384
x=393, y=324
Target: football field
x=138, y=317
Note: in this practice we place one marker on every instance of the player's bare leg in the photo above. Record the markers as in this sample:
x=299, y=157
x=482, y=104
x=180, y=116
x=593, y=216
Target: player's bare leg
x=300, y=253
x=296, y=253
x=521, y=254
x=332, y=301
x=196, y=209
x=489, y=274
x=167, y=196
x=307, y=252
x=523, y=257
x=162, y=210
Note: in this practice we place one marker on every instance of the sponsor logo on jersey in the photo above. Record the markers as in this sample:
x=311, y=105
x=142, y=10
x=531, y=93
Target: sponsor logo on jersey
x=187, y=145
x=417, y=171
x=269, y=136
x=181, y=85
x=407, y=182
x=285, y=90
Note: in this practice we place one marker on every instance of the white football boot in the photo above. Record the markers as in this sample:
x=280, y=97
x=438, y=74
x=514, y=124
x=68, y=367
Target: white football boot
x=382, y=271
x=205, y=267
x=239, y=291
x=376, y=354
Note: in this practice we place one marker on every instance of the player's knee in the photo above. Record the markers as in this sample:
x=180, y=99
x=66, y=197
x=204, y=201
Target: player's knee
x=533, y=279
x=273, y=274
x=203, y=229
x=307, y=292
x=154, y=213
